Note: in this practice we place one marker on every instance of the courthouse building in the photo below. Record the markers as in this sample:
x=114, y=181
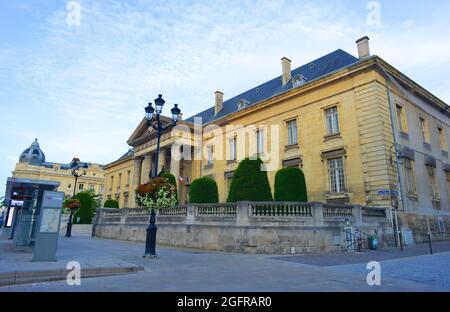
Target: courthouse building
x=362, y=131
x=33, y=165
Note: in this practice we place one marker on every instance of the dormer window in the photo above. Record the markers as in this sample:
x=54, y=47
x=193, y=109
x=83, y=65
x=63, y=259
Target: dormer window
x=298, y=80
x=242, y=104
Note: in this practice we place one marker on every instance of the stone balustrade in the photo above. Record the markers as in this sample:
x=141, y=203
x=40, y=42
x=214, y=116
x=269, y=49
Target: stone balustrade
x=249, y=227
x=281, y=209
x=179, y=211
x=314, y=214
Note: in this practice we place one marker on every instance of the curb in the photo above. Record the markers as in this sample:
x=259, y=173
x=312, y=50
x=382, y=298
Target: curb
x=30, y=277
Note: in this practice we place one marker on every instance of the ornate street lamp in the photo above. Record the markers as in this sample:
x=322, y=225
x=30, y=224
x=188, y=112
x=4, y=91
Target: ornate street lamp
x=150, y=114
x=78, y=169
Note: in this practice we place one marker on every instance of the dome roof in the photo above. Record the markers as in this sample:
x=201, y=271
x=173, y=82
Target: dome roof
x=33, y=155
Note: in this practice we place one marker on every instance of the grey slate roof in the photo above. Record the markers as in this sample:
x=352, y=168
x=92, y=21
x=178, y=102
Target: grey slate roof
x=321, y=67
x=126, y=155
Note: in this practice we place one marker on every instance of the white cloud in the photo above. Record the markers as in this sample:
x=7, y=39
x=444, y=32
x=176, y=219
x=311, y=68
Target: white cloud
x=99, y=76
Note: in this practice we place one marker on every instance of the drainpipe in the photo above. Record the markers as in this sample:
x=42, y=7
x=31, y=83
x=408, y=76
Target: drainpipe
x=397, y=152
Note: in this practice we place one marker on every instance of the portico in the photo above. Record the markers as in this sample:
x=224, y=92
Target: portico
x=144, y=142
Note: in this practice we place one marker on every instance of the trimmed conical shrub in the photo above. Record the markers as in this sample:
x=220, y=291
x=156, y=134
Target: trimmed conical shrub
x=204, y=191
x=290, y=185
x=87, y=208
x=250, y=183
x=111, y=203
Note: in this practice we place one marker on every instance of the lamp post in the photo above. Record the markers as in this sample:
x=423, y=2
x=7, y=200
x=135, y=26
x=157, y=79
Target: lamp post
x=78, y=170
x=150, y=114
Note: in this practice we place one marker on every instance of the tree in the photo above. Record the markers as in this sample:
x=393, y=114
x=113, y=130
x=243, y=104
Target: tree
x=204, y=191
x=89, y=202
x=111, y=203
x=290, y=185
x=250, y=183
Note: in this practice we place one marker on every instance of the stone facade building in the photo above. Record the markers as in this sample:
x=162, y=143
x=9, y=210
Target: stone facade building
x=118, y=180
x=33, y=165
x=362, y=131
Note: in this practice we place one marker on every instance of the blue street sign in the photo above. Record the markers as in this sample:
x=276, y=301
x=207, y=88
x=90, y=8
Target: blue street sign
x=387, y=192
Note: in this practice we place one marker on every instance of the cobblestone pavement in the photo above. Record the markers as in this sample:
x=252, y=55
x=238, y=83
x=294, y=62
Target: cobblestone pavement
x=194, y=270
x=430, y=270
x=343, y=258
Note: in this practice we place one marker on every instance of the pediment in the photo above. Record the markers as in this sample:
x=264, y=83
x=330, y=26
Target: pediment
x=146, y=131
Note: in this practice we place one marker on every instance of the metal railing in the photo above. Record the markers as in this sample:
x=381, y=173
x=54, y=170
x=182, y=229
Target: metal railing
x=373, y=212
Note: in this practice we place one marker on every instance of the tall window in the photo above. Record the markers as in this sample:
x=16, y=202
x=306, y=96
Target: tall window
x=447, y=174
x=112, y=183
x=81, y=187
x=119, y=183
x=337, y=176
x=409, y=176
x=210, y=155
x=401, y=120
x=92, y=187
x=442, y=139
x=101, y=189
x=434, y=191
x=260, y=141
x=292, y=132
x=332, y=119
x=424, y=130
x=232, y=149
x=128, y=177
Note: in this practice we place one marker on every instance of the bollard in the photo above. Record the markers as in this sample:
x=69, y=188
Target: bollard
x=429, y=243
x=150, y=242
x=69, y=226
x=401, y=240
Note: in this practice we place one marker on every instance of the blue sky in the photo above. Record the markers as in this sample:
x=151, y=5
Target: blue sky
x=81, y=89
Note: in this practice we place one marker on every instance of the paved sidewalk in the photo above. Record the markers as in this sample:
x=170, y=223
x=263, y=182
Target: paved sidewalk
x=345, y=258
x=194, y=270
x=68, y=250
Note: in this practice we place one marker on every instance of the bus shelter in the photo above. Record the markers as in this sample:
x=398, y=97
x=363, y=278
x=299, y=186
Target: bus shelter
x=24, y=198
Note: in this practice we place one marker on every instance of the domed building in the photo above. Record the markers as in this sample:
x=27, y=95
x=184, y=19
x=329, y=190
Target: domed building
x=33, y=154
x=33, y=165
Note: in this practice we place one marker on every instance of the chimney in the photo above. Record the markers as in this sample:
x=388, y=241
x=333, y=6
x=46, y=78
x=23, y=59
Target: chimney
x=286, y=66
x=363, y=48
x=219, y=101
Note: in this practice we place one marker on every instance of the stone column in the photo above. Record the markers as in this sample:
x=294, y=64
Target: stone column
x=357, y=214
x=318, y=214
x=175, y=163
x=161, y=160
x=242, y=213
x=137, y=168
x=146, y=168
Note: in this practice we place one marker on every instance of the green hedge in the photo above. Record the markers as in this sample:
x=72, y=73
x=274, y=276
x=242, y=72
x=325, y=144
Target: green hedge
x=250, y=183
x=203, y=191
x=111, y=203
x=88, y=205
x=290, y=185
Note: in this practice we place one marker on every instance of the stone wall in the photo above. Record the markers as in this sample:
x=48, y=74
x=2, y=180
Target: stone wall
x=270, y=228
x=421, y=224
x=77, y=229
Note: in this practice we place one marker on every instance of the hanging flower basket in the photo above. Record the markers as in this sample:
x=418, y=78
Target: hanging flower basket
x=157, y=194
x=73, y=204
